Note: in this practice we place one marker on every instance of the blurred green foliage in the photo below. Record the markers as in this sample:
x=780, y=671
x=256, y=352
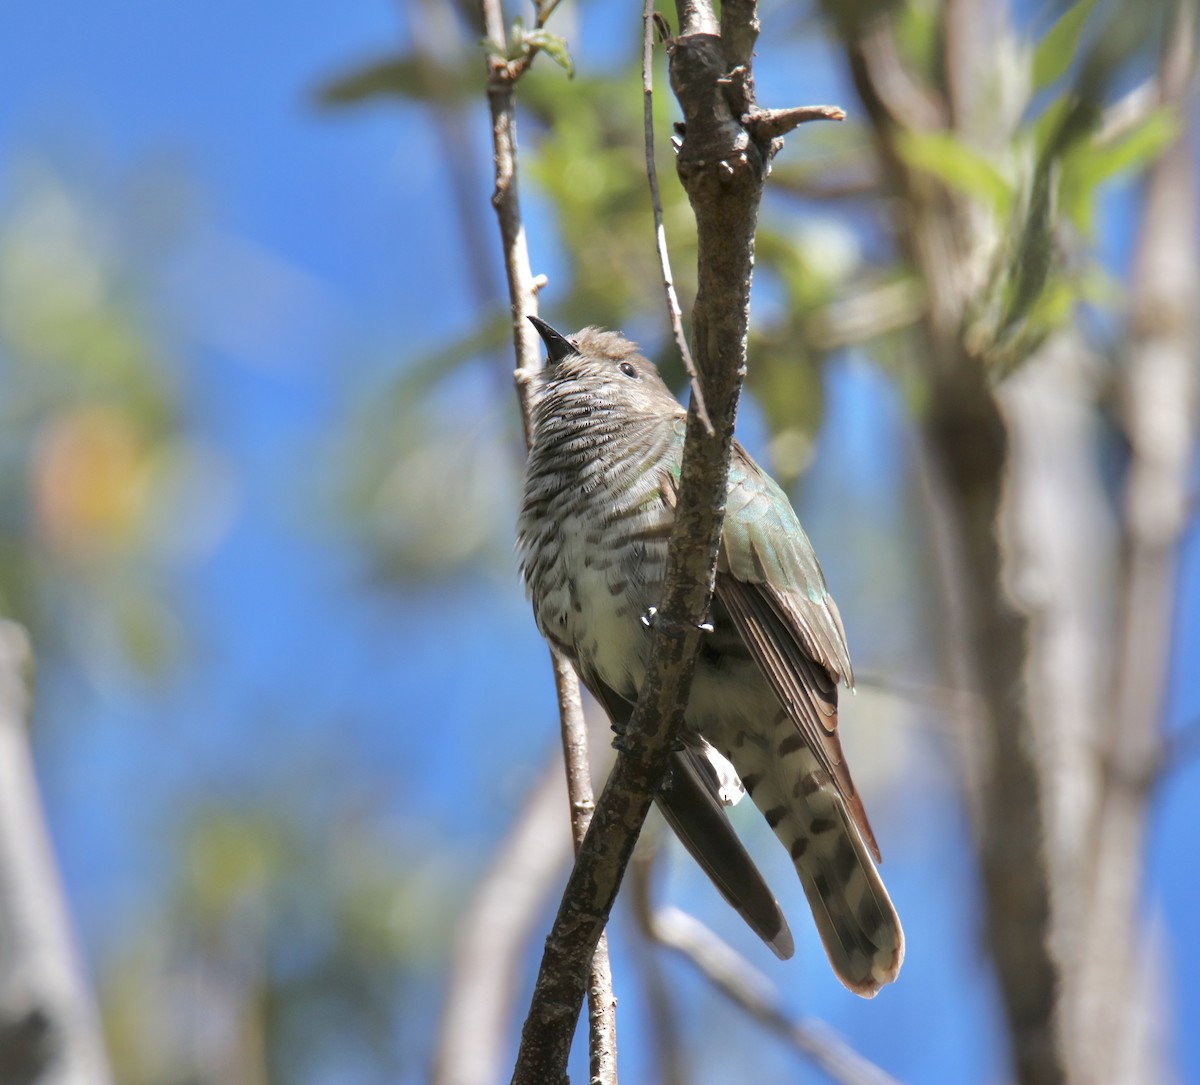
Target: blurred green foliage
x=287, y=945
x=92, y=456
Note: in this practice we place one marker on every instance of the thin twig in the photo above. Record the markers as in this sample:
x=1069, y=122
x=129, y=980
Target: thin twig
x=602, y=1018
x=964, y=706
x=1178, y=748
x=523, y=288
x=746, y=987
x=773, y=123
x=660, y=233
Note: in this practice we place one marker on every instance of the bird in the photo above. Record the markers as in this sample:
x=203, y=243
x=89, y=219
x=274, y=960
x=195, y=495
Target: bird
x=599, y=494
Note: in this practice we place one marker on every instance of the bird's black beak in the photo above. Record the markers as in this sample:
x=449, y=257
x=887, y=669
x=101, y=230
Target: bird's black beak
x=558, y=346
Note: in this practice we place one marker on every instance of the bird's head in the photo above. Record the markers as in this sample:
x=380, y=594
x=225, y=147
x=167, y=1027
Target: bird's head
x=606, y=367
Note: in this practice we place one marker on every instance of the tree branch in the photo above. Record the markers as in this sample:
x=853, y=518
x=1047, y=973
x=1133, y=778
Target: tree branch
x=745, y=987
x=722, y=170
x=969, y=442
x=522, y=288
x=48, y=1028
x=1159, y=398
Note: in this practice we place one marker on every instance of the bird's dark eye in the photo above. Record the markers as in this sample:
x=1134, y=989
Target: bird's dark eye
x=628, y=370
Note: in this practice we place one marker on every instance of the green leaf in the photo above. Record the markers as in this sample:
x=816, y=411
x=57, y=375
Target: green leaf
x=958, y=165
x=1058, y=46
x=1140, y=147
x=554, y=47
x=1033, y=260
x=1088, y=164
x=917, y=29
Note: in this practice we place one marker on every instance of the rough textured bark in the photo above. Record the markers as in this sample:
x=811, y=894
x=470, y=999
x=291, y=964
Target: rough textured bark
x=722, y=169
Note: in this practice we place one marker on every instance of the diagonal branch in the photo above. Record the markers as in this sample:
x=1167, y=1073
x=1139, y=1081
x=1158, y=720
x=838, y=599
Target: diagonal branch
x=744, y=986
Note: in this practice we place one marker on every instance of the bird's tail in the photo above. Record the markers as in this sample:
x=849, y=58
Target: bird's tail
x=853, y=912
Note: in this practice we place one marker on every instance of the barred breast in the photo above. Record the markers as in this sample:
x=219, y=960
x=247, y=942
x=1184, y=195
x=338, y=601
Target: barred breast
x=592, y=538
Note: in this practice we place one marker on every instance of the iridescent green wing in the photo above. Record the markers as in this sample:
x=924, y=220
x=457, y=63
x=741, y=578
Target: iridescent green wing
x=772, y=588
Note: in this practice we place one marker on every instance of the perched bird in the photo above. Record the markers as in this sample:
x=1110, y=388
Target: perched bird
x=599, y=498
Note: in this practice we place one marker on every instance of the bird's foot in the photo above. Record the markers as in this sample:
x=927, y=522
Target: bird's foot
x=653, y=620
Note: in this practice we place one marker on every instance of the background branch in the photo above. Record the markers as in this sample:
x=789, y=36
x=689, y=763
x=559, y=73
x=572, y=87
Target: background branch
x=966, y=442
x=48, y=1028
x=1158, y=400
x=493, y=933
x=743, y=985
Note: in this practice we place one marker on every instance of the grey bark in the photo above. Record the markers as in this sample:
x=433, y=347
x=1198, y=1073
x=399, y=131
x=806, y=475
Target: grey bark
x=48, y=1027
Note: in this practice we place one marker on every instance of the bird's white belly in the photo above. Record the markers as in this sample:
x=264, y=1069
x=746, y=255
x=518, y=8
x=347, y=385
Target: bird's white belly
x=600, y=597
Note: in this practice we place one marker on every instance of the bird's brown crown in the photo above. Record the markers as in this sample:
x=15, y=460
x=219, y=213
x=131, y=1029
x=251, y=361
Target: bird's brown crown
x=613, y=370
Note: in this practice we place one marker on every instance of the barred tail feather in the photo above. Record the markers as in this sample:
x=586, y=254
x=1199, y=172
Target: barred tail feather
x=854, y=915
x=853, y=912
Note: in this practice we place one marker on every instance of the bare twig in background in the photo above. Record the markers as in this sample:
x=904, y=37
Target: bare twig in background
x=859, y=318
x=742, y=984
x=660, y=233
x=493, y=934
x=1158, y=400
x=435, y=33
x=664, y=1022
x=48, y=1028
x=1179, y=747
x=499, y=923
x=967, y=448
x=960, y=705
x=522, y=288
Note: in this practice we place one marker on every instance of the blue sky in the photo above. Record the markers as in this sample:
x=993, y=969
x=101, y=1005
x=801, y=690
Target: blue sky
x=293, y=647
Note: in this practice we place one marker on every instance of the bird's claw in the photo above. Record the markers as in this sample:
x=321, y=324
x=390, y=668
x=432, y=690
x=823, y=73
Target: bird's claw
x=651, y=620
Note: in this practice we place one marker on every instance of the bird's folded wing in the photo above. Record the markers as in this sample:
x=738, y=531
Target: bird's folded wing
x=770, y=585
